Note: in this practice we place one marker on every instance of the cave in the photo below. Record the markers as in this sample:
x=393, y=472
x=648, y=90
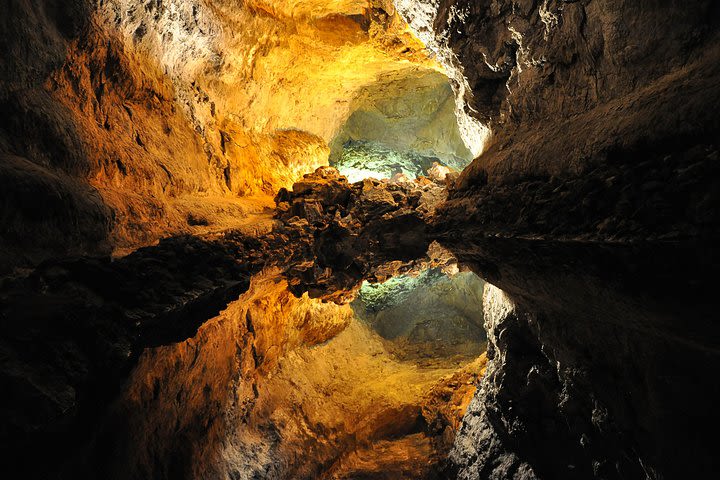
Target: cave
x=402, y=124
x=359, y=239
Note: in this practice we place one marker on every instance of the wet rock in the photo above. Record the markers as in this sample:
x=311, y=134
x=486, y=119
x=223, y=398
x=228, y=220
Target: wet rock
x=402, y=122
x=480, y=449
x=427, y=314
x=645, y=204
x=616, y=132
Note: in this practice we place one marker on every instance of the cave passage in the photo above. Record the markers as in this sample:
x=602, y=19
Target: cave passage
x=372, y=389
x=431, y=318
x=359, y=239
x=401, y=124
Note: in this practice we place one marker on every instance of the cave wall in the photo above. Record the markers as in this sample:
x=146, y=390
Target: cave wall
x=277, y=386
x=594, y=106
x=428, y=317
x=544, y=61
x=183, y=402
x=603, y=123
x=147, y=119
x=591, y=375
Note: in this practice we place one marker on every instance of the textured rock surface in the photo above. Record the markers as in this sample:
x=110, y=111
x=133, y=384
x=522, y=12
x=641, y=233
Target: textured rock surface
x=191, y=396
x=364, y=159
x=590, y=374
x=142, y=117
x=73, y=330
x=408, y=113
x=479, y=450
x=603, y=128
x=367, y=230
x=126, y=122
x=275, y=386
x=202, y=395
x=599, y=110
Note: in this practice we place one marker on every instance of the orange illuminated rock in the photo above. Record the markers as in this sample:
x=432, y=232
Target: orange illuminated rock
x=175, y=110
x=288, y=387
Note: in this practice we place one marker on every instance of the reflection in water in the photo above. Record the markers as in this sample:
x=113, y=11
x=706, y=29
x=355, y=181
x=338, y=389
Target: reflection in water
x=429, y=317
x=616, y=362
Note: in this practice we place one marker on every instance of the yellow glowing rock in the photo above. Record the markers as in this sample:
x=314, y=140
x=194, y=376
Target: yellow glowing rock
x=200, y=99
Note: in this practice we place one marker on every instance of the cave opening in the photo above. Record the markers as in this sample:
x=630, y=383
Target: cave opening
x=402, y=124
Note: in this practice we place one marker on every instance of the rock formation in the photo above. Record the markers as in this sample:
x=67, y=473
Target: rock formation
x=408, y=117
x=596, y=110
x=581, y=363
x=145, y=116
x=428, y=317
x=118, y=322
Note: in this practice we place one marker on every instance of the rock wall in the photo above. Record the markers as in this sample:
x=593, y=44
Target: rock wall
x=480, y=449
x=407, y=112
x=123, y=368
x=590, y=375
x=280, y=387
x=146, y=119
x=73, y=330
x=184, y=400
x=592, y=106
x=428, y=318
x=129, y=121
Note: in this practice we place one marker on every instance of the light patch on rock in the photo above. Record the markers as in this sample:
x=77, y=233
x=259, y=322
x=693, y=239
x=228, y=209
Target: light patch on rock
x=420, y=16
